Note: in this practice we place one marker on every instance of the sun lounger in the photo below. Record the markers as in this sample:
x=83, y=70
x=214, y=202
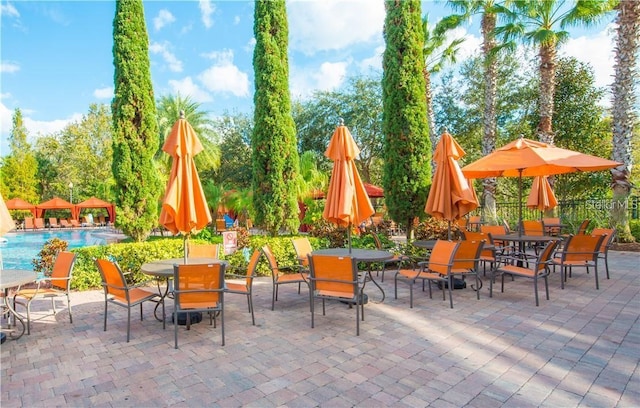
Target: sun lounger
x=28, y=223
x=53, y=222
x=38, y=223
x=74, y=223
x=65, y=224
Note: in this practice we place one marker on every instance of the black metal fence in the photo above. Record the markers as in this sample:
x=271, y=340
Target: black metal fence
x=571, y=212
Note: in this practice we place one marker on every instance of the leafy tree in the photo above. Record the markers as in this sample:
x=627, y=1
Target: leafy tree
x=490, y=10
x=19, y=168
x=543, y=23
x=234, y=135
x=359, y=103
x=135, y=124
x=579, y=125
x=407, y=148
x=169, y=108
x=275, y=154
x=437, y=53
x=625, y=110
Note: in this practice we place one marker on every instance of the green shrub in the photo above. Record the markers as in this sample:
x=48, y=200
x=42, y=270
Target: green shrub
x=634, y=225
x=47, y=255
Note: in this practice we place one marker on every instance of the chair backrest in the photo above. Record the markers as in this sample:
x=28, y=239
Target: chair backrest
x=532, y=227
x=606, y=243
x=493, y=229
x=53, y=221
x=334, y=275
x=462, y=222
x=28, y=222
x=442, y=255
x=582, y=228
x=113, y=280
x=479, y=236
x=545, y=256
x=582, y=247
x=62, y=270
x=202, y=250
x=221, y=225
x=273, y=263
x=507, y=228
x=303, y=248
x=253, y=266
x=198, y=286
x=39, y=223
x=468, y=255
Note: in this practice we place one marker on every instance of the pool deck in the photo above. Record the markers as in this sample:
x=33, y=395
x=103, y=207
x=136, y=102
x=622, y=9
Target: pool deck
x=579, y=349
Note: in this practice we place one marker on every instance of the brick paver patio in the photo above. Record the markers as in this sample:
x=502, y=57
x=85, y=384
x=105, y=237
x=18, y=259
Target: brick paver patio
x=581, y=348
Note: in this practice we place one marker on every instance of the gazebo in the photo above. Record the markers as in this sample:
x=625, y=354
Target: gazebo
x=94, y=202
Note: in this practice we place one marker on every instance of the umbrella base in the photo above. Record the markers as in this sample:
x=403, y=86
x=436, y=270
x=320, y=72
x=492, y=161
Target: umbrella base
x=196, y=317
x=365, y=300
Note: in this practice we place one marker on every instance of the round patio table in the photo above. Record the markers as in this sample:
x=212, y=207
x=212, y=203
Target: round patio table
x=162, y=270
x=361, y=255
x=12, y=278
x=522, y=239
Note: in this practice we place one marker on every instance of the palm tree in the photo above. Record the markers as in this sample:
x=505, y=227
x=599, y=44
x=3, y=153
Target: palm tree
x=169, y=107
x=437, y=53
x=543, y=23
x=624, y=109
x=490, y=11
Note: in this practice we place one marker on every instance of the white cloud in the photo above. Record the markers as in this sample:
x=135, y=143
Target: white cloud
x=103, y=93
x=470, y=47
x=186, y=87
x=251, y=44
x=207, y=9
x=175, y=65
x=163, y=18
x=333, y=24
x=224, y=75
x=327, y=77
x=41, y=127
x=8, y=10
x=597, y=50
x=9, y=67
x=374, y=62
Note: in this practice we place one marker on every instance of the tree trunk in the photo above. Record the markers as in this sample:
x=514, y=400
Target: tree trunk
x=547, y=91
x=489, y=120
x=624, y=115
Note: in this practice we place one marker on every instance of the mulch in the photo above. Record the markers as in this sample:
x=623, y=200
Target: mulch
x=630, y=246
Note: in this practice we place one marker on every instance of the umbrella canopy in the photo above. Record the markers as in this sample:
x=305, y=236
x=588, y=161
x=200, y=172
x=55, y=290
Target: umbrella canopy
x=373, y=191
x=98, y=203
x=347, y=200
x=541, y=196
x=56, y=203
x=525, y=157
x=20, y=204
x=184, y=207
x=6, y=222
x=451, y=196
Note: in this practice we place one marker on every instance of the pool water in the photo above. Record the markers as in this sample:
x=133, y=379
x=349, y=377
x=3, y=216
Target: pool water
x=20, y=248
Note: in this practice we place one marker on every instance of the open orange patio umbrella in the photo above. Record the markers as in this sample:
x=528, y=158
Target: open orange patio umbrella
x=525, y=157
x=184, y=207
x=347, y=200
x=541, y=196
x=451, y=196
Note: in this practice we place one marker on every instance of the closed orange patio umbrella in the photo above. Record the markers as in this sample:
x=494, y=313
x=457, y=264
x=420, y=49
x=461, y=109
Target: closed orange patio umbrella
x=451, y=196
x=347, y=200
x=6, y=222
x=525, y=157
x=184, y=207
x=541, y=196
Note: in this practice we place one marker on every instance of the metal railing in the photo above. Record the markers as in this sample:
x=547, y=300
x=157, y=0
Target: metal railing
x=571, y=212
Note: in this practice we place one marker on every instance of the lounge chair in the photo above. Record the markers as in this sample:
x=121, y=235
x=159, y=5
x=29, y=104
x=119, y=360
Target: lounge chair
x=38, y=223
x=64, y=223
x=53, y=222
x=28, y=223
x=74, y=223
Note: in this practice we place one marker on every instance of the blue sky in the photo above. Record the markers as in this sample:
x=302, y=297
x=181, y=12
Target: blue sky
x=56, y=56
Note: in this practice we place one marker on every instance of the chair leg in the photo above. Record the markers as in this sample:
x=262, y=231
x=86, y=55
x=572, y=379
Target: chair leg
x=535, y=290
x=253, y=319
x=175, y=327
x=128, y=323
x=606, y=264
x=595, y=273
x=106, y=302
x=222, y=323
x=69, y=307
x=546, y=286
x=273, y=296
x=358, y=303
x=450, y=290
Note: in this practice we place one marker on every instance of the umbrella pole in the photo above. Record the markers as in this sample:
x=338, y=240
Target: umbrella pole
x=349, y=237
x=520, y=202
x=184, y=243
x=449, y=230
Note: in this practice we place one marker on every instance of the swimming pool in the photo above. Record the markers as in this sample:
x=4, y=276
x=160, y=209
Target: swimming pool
x=21, y=247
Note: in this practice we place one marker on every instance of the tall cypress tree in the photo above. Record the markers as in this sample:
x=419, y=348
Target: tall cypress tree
x=407, y=148
x=275, y=154
x=135, y=126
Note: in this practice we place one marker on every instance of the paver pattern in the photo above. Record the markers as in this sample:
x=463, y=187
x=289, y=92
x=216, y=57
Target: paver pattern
x=579, y=349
